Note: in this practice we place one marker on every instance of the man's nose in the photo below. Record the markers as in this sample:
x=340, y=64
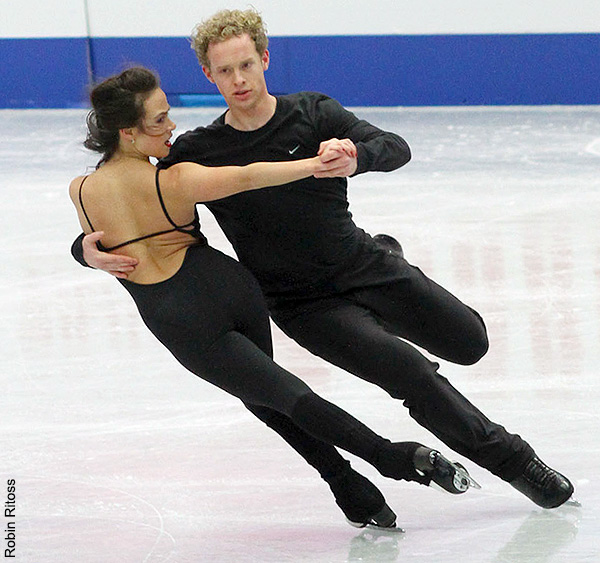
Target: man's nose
x=238, y=76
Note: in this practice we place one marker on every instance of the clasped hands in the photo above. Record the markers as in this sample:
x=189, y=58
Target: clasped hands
x=340, y=155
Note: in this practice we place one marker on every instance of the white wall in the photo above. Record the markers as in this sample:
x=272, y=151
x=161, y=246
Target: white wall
x=42, y=18
x=110, y=18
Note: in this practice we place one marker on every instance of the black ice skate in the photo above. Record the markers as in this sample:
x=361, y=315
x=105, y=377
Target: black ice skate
x=390, y=244
x=447, y=475
x=384, y=520
x=543, y=485
x=361, y=501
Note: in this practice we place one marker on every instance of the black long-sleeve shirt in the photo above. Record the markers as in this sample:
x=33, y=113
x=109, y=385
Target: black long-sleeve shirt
x=299, y=240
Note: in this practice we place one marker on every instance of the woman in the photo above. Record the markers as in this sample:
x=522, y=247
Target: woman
x=201, y=304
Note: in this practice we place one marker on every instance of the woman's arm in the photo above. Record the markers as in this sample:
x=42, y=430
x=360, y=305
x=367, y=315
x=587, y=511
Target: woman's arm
x=207, y=183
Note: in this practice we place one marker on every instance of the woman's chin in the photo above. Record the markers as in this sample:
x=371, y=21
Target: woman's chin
x=162, y=154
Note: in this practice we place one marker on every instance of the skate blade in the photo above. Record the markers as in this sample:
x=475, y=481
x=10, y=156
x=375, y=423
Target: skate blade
x=464, y=474
x=572, y=502
x=376, y=527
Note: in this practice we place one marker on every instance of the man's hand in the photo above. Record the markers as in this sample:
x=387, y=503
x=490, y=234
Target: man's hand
x=115, y=264
x=341, y=155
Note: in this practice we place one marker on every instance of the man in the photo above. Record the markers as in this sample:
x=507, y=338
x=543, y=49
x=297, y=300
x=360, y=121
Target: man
x=345, y=296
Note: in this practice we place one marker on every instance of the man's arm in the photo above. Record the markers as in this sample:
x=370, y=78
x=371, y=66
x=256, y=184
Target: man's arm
x=85, y=251
x=77, y=250
x=377, y=150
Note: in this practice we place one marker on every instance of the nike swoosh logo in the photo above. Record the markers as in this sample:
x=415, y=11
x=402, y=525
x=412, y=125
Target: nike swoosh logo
x=294, y=149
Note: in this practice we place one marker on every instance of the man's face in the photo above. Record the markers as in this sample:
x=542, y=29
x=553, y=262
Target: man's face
x=238, y=71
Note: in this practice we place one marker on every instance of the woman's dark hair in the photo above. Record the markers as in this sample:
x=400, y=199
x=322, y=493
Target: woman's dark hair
x=117, y=103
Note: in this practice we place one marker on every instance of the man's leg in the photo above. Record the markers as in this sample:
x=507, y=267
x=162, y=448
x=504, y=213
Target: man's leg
x=350, y=336
x=422, y=312
x=359, y=333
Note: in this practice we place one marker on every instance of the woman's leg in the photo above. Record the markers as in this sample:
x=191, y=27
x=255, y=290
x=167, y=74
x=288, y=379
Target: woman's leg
x=359, y=499
x=238, y=366
x=212, y=295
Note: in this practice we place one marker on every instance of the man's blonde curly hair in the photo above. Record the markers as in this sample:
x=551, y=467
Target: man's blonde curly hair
x=226, y=24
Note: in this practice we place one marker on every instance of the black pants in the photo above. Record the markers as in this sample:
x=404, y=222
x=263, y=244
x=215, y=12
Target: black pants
x=212, y=316
x=367, y=332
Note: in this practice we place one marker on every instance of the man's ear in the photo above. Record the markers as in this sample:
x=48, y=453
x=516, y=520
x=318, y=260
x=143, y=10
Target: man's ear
x=208, y=74
x=265, y=59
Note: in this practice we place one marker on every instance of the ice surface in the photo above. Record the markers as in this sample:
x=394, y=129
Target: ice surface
x=120, y=455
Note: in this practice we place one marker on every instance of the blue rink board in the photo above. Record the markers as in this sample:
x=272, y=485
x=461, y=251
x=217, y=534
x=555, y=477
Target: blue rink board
x=390, y=70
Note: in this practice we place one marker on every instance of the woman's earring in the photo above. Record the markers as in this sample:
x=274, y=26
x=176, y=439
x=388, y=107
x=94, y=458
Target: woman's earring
x=132, y=141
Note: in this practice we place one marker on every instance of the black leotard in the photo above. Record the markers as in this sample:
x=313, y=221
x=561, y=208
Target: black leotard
x=192, y=228
x=212, y=316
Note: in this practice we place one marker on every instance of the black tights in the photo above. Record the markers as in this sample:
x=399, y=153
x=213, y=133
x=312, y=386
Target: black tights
x=311, y=424
x=212, y=318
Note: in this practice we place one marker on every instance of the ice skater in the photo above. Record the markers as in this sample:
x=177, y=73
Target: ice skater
x=202, y=305
x=347, y=297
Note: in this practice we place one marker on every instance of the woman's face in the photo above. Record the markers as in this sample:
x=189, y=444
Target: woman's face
x=152, y=138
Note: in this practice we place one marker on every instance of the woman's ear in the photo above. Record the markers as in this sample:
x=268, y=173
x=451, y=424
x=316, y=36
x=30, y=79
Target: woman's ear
x=126, y=135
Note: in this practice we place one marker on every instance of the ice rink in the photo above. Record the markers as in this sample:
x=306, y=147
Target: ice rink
x=118, y=454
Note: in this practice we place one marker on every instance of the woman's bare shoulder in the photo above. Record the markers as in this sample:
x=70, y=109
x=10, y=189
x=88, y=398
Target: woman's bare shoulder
x=75, y=185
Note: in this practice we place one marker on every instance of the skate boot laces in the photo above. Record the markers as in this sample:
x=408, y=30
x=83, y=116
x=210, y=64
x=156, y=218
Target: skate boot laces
x=539, y=474
x=545, y=486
